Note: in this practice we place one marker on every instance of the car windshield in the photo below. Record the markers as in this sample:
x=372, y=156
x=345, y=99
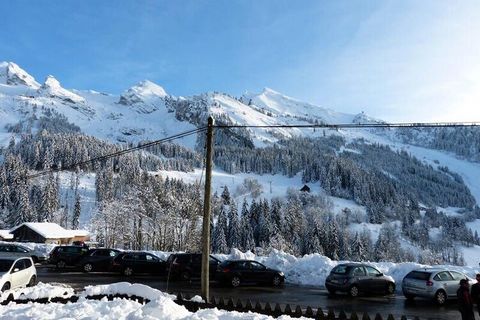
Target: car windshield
x=5, y=265
x=418, y=275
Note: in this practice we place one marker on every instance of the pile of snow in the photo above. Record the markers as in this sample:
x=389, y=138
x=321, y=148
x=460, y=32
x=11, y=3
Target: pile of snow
x=83, y=309
x=313, y=269
x=40, y=291
x=136, y=289
x=161, y=306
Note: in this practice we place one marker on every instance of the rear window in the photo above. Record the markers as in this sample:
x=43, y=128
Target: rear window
x=340, y=270
x=418, y=275
x=183, y=259
x=225, y=263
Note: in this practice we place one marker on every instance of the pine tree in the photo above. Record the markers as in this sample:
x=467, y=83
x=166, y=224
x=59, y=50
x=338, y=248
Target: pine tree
x=76, y=213
x=233, y=226
x=226, y=195
x=246, y=235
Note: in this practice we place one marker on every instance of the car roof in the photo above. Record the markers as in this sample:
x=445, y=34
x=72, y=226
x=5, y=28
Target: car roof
x=355, y=264
x=14, y=259
x=433, y=269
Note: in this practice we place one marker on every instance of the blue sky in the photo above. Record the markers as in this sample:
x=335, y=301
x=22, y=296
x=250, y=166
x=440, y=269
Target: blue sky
x=404, y=60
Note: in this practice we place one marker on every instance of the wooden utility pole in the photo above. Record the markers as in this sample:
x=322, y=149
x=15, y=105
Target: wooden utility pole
x=206, y=213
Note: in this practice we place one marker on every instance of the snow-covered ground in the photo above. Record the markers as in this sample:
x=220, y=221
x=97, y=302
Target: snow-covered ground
x=309, y=270
x=272, y=185
x=161, y=306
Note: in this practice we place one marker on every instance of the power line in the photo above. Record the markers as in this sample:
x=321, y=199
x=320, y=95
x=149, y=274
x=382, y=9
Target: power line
x=361, y=125
x=118, y=153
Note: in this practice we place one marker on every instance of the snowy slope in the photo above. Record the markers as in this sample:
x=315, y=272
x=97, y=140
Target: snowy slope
x=278, y=104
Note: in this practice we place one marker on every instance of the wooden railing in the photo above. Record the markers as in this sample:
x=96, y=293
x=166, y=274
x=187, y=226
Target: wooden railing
x=278, y=310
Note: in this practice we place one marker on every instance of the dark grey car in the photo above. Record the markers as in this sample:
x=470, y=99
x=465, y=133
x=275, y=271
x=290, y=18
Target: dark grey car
x=354, y=278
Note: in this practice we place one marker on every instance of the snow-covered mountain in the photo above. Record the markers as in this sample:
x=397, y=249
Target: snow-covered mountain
x=146, y=111
x=12, y=74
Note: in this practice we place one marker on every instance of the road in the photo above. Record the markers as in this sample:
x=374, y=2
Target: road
x=288, y=294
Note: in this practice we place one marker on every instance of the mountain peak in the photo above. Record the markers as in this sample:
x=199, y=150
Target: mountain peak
x=148, y=88
x=144, y=96
x=51, y=82
x=268, y=90
x=12, y=74
x=53, y=88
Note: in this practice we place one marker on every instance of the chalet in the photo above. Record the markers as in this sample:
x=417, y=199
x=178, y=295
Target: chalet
x=47, y=232
x=5, y=235
x=305, y=188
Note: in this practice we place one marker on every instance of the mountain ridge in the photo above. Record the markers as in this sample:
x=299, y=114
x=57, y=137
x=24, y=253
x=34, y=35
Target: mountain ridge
x=144, y=104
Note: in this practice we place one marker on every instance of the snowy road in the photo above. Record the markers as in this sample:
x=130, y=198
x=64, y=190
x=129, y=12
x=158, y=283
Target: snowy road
x=294, y=295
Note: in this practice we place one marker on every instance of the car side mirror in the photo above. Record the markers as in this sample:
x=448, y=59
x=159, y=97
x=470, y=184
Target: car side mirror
x=15, y=270
x=379, y=274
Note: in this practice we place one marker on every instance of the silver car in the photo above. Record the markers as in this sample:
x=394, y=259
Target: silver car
x=438, y=284
x=12, y=250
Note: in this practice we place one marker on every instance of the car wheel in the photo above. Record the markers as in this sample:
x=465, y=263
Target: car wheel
x=32, y=282
x=185, y=275
x=277, y=280
x=87, y=267
x=390, y=288
x=61, y=264
x=440, y=297
x=128, y=271
x=235, y=281
x=6, y=287
x=353, y=291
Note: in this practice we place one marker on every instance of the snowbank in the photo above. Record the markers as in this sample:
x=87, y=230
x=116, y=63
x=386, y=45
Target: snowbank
x=161, y=306
x=136, y=289
x=40, y=291
x=313, y=269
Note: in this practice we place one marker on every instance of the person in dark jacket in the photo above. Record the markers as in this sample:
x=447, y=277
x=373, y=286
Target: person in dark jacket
x=465, y=303
x=475, y=293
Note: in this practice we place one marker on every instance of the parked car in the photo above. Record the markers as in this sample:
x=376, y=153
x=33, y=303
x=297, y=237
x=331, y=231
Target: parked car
x=12, y=250
x=134, y=262
x=237, y=272
x=356, y=278
x=438, y=284
x=16, y=273
x=97, y=260
x=189, y=265
x=63, y=256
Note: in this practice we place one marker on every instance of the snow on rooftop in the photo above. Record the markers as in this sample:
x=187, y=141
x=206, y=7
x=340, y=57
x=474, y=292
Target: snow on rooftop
x=5, y=234
x=50, y=230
